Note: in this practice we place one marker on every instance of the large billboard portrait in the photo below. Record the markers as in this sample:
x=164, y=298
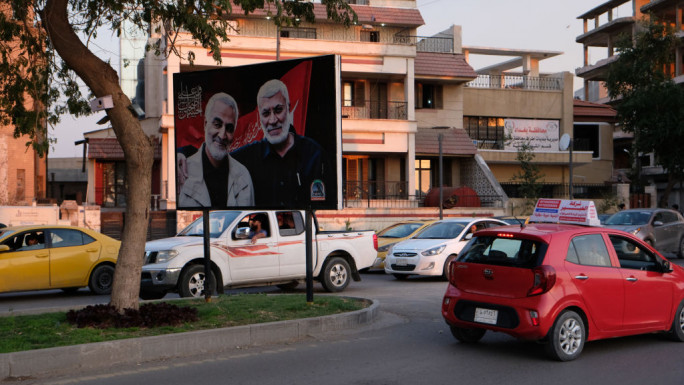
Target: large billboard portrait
x=261, y=136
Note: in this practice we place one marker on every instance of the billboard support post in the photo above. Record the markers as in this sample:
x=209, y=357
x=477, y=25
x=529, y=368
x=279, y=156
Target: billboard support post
x=309, y=255
x=207, y=255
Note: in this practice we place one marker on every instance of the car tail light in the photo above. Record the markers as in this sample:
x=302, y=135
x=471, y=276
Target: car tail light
x=375, y=241
x=452, y=273
x=544, y=279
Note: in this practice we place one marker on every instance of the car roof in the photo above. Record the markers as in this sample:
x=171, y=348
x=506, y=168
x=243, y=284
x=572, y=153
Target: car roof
x=544, y=230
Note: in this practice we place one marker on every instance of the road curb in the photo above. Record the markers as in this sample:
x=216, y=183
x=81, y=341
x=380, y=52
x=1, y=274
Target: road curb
x=67, y=359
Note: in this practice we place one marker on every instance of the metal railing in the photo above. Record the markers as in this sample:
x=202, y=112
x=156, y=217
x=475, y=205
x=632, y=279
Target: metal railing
x=517, y=82
x=375, y=110
x=560, y=190
x=359, y=194
x=426, y=43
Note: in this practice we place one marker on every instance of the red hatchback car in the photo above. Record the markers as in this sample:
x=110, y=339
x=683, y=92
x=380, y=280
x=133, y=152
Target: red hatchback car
x=563, y=285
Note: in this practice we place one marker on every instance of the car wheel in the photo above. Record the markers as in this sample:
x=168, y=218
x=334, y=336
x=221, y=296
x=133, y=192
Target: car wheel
x=566, y=337
x=677, y=330
x=101, y=280
x=192, y=282
x=680, y=254
x=468, y=335
x=151, y=294
x=445, y=269
x=336, y=275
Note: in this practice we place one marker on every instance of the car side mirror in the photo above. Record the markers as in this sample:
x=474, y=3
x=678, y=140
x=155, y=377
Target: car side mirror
x=657, y=223
x=4, y=248
x=242, y=233
x=468, y=236
x=666, y=266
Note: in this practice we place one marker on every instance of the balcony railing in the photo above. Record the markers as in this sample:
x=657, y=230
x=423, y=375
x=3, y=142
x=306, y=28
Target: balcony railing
x=517, y=82
x=426, y=43
x=375, y=110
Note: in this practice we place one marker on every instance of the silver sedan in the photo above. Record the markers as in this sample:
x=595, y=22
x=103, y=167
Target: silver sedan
x=660, y=228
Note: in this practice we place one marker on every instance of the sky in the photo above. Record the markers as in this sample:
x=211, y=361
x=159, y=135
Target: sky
x=546, y=25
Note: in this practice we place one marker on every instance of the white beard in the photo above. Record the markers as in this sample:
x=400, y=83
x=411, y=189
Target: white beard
x=216, y=151
x=284, y=131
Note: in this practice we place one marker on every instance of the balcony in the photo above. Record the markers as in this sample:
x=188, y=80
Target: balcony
x=517, y=82
x=375, y=110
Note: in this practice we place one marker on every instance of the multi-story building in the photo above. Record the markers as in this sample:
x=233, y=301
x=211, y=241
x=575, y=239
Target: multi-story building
x=603, y=25
x=21, y=169
x=403, y=98
x=393, y=95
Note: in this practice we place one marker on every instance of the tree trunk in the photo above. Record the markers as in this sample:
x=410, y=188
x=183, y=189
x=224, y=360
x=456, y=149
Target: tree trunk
x=102, y=80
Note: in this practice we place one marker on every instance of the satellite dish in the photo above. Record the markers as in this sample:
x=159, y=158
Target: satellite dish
x=564, y=142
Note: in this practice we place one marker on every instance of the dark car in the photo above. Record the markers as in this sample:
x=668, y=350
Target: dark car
x=661, y=228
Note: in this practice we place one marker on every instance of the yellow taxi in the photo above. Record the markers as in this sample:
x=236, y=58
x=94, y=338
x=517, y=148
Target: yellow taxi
x=56, y=257
x=395, y=233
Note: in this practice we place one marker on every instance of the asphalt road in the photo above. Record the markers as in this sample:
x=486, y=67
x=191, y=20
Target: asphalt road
x=410, y=344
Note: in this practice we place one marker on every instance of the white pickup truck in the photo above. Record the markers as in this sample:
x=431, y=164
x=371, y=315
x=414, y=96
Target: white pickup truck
x=176, y=264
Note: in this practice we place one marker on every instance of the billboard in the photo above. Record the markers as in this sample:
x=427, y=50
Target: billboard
x=263, y=136
x=541, y=135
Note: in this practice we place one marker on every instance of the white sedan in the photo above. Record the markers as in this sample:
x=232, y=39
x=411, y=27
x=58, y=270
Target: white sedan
x=430, y=251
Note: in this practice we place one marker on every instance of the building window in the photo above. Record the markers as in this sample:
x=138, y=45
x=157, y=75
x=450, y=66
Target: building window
x=370, y=36
x=586, y=138
x=298, y=33
x=423, y=177
x=428, y=96
x=114, y=184
x=487, y=132
x=348, y=94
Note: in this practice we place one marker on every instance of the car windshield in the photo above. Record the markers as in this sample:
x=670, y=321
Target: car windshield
x=503, y=251
x=218, y=222
x=400, y=230
x=4, y=232
x=441, y=230
x=626, y=218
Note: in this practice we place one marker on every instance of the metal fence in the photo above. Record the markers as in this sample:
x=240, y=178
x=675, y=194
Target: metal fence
x=395, y=195
x=549, y=190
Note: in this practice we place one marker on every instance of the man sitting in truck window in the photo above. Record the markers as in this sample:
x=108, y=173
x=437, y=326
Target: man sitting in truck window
x=258, y=224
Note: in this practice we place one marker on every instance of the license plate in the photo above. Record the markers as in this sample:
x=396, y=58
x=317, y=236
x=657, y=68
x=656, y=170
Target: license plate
x=486, y=316
x=402, y=261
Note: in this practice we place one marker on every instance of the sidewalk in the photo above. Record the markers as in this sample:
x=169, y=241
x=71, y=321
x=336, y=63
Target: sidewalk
x=67, y=359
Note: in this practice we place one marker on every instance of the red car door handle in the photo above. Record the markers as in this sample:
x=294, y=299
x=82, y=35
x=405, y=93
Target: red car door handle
x=631, y=279
x=581, y=277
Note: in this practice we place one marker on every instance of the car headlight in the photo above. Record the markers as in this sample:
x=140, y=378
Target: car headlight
x=636, y=231
x=165, y=255
x=386, y=247
x=433, y=251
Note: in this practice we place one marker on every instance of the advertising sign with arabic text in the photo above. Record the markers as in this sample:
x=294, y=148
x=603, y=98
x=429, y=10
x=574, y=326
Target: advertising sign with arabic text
x=565, y=211
x=542, y=135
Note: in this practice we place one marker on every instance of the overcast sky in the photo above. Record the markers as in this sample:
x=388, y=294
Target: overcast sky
x=545, y=25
